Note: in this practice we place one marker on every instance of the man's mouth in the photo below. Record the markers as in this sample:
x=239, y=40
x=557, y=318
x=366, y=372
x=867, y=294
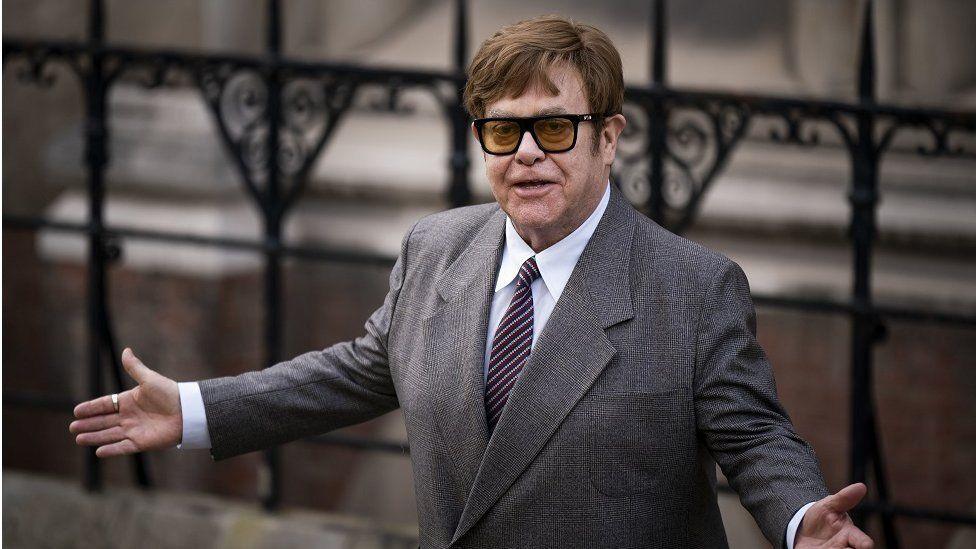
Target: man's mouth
x=532, y=183
x=531, y=188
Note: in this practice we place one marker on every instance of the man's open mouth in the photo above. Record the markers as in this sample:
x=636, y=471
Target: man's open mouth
x=532, y=184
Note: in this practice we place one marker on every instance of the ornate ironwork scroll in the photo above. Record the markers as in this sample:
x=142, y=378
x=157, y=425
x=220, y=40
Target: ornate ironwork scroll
x=700, y=138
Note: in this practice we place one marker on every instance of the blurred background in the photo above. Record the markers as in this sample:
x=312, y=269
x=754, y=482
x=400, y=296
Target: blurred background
x=828, y=146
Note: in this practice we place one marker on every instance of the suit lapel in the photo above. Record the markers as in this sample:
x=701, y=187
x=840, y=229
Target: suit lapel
x=570, y=354
x=457, y=332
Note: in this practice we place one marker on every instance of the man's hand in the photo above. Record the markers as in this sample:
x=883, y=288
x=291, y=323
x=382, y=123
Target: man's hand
x=827, y=525
x=149, y=416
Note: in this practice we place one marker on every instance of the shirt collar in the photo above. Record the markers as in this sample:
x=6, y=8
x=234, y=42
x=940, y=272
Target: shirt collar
x=556, y=262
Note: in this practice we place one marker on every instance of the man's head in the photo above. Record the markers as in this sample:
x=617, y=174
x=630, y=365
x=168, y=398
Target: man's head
x=542, y=66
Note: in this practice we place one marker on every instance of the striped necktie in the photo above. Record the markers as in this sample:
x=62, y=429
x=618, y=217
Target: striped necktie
x=511, y=344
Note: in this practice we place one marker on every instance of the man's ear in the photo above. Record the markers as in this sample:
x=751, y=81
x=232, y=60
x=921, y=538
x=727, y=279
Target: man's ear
x=613, y=126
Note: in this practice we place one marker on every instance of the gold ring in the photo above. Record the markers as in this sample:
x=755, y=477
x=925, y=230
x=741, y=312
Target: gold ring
x=115, y=401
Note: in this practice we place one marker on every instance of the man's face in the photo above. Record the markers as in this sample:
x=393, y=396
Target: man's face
x=548, y=195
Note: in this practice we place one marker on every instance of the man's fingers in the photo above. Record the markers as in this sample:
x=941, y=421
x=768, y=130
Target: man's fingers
x=99, y=438
x=845, y=500
x=103, y=405
x=139, y=371
x=121, y=448
x=96, y=423
x=95, y=407
x=860, y=540
x=865, y=543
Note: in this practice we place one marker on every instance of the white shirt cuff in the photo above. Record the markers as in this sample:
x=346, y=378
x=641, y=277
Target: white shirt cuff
x=794, y=525
x=195, y=433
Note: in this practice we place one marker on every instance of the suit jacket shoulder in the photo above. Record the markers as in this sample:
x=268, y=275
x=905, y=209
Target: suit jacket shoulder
x=688, y=263
x=455, y=224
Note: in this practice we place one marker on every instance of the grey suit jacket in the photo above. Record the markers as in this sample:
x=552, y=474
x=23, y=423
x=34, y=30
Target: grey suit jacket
x=646, y=374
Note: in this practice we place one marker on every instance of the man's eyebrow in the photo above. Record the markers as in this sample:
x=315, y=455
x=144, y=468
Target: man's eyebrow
x=492, y=113
x=551, y=110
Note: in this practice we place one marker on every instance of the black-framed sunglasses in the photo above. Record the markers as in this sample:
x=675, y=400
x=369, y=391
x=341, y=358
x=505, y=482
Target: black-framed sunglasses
x=554, y=133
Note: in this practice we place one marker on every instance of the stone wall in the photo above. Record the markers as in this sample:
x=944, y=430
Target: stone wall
x=48, y=512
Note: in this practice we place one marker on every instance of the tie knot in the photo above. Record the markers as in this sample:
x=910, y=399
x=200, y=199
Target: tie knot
x=528, y=272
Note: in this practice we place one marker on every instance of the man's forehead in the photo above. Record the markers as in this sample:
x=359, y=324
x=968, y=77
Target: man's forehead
x=536, y=101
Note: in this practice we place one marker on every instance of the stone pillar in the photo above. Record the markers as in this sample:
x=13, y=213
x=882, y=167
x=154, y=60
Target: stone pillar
x=823, y=40
x=888, y=48
x=938, y=46
x=232, y=25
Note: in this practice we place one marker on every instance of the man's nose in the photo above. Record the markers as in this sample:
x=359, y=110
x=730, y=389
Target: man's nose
x=528, y=152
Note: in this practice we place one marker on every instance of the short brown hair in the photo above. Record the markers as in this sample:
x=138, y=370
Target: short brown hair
x=522, y=54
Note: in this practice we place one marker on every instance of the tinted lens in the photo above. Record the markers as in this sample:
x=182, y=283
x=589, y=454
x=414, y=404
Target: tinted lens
x=500, y=136
x=555, y=134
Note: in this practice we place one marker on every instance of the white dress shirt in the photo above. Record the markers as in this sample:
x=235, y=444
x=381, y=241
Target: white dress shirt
x=555, y=264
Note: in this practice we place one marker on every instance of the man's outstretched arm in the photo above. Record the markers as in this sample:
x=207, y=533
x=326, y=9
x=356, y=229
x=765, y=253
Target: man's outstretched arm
x=313, y=393
x=749, y=433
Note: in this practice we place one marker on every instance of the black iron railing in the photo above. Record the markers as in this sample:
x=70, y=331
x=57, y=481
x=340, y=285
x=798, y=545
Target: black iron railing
x=276, y=115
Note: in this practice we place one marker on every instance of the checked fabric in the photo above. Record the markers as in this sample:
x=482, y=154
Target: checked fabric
x=512, y=343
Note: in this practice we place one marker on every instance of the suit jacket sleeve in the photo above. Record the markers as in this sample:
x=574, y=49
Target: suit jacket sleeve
x=746, y=429
x=310, y=394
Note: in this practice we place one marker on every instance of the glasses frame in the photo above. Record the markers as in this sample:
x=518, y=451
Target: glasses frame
x=527, y=124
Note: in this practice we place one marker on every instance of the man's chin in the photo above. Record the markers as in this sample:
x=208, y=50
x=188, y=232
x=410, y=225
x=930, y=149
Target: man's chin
x=532, y=219
x=533, y=213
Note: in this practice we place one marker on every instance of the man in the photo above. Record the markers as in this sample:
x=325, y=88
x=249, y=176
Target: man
x=569, y=372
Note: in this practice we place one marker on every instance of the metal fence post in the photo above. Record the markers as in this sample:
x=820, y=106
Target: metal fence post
x=96, y=158
x=658, y=123
x=269, y=486
x=865, y=438
x=460, y=190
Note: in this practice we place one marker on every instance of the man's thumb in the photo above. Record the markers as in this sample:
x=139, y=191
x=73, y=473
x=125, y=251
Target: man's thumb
x=846, y=499
x=135, y=368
